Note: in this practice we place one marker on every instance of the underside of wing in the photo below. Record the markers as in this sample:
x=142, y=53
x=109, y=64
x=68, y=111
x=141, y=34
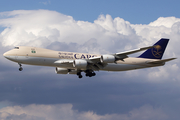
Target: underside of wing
x=64, y=61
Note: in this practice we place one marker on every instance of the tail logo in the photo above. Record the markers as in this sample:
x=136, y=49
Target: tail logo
x=156, y=51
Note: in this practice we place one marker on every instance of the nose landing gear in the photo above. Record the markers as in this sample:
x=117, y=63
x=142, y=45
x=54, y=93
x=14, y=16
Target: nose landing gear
x=20, y=67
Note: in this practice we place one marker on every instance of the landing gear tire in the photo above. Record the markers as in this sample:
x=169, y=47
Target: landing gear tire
x=90, y=74
x=93, y=74
x=80, y=76
x=20, y=69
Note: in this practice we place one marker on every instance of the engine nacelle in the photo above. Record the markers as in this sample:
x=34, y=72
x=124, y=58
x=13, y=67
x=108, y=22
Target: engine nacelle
x=107, y=59
x=79, y=63
x=61, y=70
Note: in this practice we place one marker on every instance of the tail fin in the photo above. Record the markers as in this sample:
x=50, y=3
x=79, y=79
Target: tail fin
x=156, y=52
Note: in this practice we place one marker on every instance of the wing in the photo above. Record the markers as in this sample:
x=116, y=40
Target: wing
x=120, y=55
x=133, y=51
x=101, y=61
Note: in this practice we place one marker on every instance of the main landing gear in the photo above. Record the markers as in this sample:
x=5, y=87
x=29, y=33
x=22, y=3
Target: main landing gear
x=89, y=73
x=79, y=75
x=20, y=67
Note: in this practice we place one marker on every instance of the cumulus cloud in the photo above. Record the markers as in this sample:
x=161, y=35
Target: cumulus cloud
x=133, y=90
x=167, y=22
x=65, y=112
x=53, y=30
x=41, y=28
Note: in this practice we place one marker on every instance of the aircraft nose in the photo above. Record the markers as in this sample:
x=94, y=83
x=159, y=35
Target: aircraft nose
x=5, y=54
x=10, y=55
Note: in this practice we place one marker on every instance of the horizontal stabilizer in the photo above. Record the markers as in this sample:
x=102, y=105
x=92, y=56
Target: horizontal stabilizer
x=161, y=61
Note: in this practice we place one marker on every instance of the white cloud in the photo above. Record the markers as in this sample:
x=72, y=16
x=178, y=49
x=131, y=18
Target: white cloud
x=46, y=2
x=50, y=29
x=167, y=22
x=44, y=28
x=65, y=112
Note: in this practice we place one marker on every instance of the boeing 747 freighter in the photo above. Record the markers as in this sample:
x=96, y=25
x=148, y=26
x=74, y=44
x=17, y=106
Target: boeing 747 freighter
x=75, y=63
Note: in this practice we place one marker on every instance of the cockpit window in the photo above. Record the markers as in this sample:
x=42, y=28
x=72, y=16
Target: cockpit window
x=16, y=47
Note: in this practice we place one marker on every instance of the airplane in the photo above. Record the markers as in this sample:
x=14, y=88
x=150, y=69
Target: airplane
x=76, y=63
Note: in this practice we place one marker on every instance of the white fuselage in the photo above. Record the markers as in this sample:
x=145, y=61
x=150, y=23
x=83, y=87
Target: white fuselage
x=46, y=57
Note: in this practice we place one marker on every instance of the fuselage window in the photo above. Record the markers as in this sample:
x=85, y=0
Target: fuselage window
x=16, y=47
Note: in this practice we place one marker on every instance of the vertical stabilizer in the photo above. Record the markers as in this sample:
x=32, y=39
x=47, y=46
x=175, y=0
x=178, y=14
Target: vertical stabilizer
x=157, y=51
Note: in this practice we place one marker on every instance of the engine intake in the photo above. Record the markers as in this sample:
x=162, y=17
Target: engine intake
x=79, y=63
x=107, y=59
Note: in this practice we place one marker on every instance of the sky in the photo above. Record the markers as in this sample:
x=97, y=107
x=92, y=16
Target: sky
x=38, y=93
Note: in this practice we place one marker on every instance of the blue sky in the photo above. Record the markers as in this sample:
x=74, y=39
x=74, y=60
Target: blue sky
x=89, y=26
x=136, y=12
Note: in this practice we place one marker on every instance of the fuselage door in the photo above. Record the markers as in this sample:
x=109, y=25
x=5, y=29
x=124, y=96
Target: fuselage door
x=16, y=56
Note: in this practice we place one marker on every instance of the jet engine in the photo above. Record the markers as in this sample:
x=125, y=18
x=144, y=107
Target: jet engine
x=107, y=59
x=79, y=63
x=61, y=70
